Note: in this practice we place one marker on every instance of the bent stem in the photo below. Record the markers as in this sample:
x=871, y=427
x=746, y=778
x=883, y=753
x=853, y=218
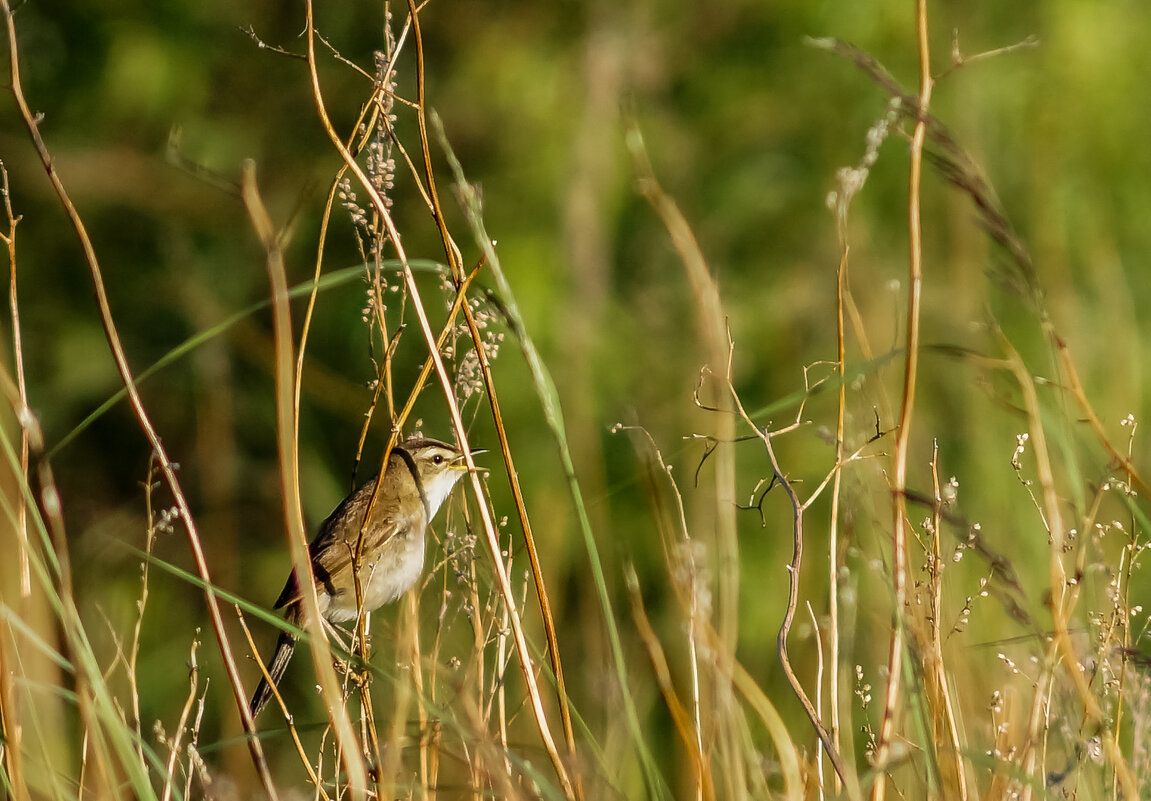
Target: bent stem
x=167, y=466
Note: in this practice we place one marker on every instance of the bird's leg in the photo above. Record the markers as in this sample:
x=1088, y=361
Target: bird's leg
x=337, y=635
x=357, y=677
x=344, y=666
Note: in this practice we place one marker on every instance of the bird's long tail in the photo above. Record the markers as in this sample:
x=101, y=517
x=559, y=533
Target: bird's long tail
x=276, y=667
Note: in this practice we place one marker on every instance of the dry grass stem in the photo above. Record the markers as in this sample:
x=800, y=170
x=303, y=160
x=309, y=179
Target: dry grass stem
x=903, y=431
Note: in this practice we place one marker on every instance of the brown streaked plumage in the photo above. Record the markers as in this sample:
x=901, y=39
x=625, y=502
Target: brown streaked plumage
x=419, y=477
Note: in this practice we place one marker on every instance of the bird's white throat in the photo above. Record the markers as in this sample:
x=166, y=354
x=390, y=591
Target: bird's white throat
x=438, y=488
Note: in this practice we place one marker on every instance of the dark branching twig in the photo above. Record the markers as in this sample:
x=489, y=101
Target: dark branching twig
x=758, y=505
x=797, y=508
x=709, y=447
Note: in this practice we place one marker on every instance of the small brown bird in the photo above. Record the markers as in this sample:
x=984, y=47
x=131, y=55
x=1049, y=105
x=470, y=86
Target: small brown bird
x=419, y=477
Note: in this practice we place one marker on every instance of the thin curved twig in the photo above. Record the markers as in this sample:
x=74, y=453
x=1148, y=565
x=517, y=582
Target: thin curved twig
x=167, y=467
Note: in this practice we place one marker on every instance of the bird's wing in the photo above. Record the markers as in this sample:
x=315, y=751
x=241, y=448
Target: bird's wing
x=332, y=550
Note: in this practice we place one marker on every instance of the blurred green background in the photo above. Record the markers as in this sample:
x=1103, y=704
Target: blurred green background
x=746, y=125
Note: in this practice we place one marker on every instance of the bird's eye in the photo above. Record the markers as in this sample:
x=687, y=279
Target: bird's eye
x=438, y=459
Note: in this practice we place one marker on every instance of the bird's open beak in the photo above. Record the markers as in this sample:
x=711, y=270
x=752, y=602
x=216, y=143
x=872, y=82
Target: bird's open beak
x=461, y=464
